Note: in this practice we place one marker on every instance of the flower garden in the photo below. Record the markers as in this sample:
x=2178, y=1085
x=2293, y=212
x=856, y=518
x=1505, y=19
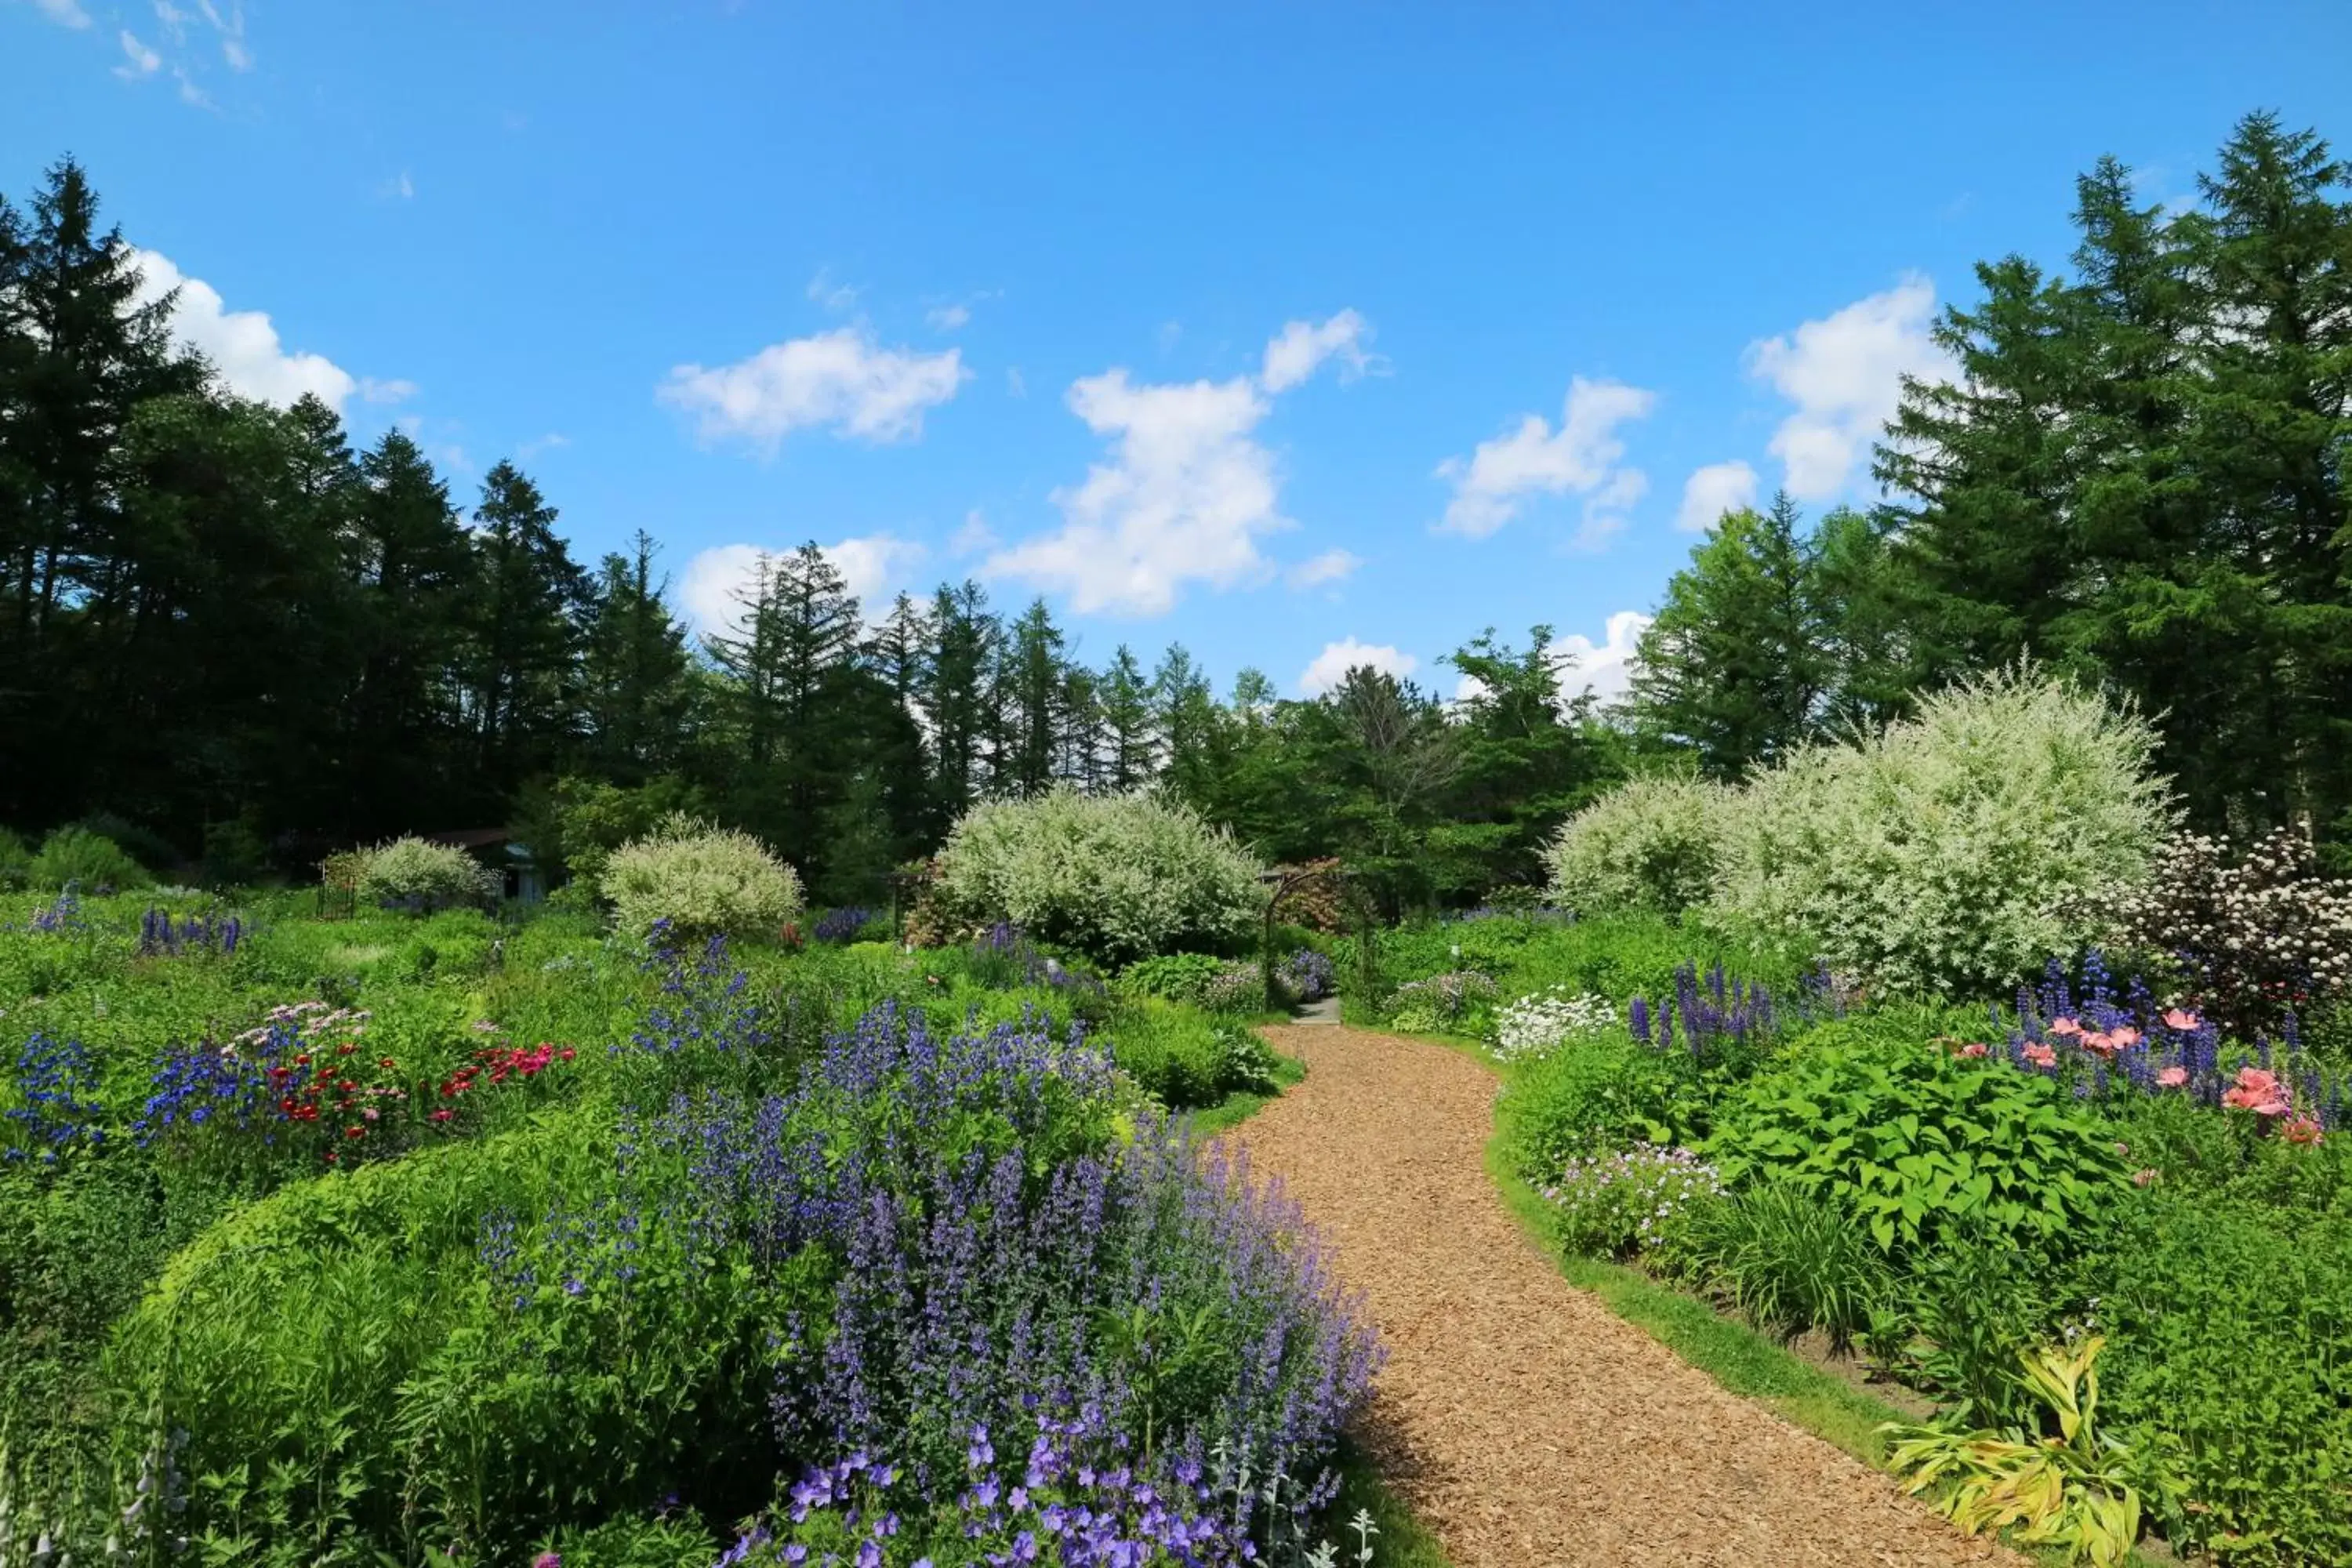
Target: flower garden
x=704, y=1228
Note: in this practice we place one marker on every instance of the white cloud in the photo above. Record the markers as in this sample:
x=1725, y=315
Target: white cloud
x=190, y=94
x=138, y=59
x=1580, y=459
x=1844, y=373
x=400, y=186
x=874, y=567
x=64, y=13
x=371, y=390
x=1713, y=490
x=1331, y=666
x=1300, y=348
x=973, y=536
x=1183, y=497
x=174, y=20
x=242, y=345
x=947, y=318
x=554, y=440
x=831, y=295
x=1606, y=668
x=842, y=379
x=1331, y=566
x=1013, y=383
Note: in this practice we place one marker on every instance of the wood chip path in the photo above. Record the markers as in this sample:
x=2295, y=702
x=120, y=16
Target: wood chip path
x=1524, y=1422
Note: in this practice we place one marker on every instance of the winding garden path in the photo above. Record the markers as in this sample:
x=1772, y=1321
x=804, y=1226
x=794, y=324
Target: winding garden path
x=1526, y=1423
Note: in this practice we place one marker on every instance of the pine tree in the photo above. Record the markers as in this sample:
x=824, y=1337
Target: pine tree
x=523, y=627
x=1131, y=744
x=636, y=699
x=958, y=700
x=1731, y=668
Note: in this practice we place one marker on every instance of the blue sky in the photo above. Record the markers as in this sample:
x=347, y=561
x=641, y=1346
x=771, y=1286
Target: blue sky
x=1294, y=332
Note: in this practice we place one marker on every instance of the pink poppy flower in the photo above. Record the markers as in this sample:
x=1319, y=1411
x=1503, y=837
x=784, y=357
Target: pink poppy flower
x=2065, y=1026
x=2122, y=1035
x=2172, y=1078
x=2041, y=1056
x=2301, y=1128
x=2180, y=1018
x=1973, y=1048
x=2102, y=1042
x=2144, y=1175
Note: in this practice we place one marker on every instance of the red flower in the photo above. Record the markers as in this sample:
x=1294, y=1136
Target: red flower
x=566, y=1054
x=384, y=1062
x=443, y=1114
x=354, y=1131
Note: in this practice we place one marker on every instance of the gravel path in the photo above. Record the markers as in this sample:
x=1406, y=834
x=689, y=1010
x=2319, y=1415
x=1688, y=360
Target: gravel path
x=1525, y=1422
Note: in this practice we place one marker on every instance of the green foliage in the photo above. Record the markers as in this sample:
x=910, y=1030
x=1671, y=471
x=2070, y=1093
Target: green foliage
x=76, y=856
x=411, y=874
x=706, y=881
x=1184, y=1059
x=631, y=1543
x=1173, y=976
x=15, y=861
x=1907, y=1138
x=1787, y=1260
x=1117, y=877
x=1651, y=847
x=2230, y=1331
x=1600, y=1096
x=2075, y=1492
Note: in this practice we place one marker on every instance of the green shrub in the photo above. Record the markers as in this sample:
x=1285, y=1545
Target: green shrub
x=1906, y=1138
x=1613, y=1205
x=144, y=845
x=1235, y=987
x=1184, y=1059
x=15, y=861
x=1602, y=1096
x=2233, y=1336
x=412, y=875
x=1650, y=847
x=1788, y=1260
x=706, y=881
x=1174, y=977
x=77, y=855
x=1115, y=876
x=1938, y=855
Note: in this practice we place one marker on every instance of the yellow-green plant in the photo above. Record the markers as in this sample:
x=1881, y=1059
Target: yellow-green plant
x=2072, y=1491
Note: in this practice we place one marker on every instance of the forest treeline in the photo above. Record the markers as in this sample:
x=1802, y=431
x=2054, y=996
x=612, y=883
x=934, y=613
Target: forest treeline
x=229, y=635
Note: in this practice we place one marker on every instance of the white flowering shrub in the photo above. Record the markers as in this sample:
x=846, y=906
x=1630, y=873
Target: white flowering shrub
x=1652, y=844
x=1610, y=1205
x=410, y=874
x=704, y=880
x=1938, y=855
x=1539, y=1025
x=1116, y=876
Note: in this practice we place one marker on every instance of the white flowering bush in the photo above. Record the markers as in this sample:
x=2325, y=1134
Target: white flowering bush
x=1539, y=1025
x=704, y=880
x=411, y=874
x=1936, y=856
x=1116, y=876
x=1611, y=1205
x=1652, y=844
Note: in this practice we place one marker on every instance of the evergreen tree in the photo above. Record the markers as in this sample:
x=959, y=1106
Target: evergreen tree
x=1131, y=744
x=636, y=699
x=523, y=627
x=1731, y=669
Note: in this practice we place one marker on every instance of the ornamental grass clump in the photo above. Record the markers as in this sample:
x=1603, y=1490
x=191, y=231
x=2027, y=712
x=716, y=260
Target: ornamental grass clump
x=703, y=881
x=1653, y=846
x=1115, y=876
x=1938, y=856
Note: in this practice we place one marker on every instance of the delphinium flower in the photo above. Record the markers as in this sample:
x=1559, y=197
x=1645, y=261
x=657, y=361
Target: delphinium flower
x=56, y=1111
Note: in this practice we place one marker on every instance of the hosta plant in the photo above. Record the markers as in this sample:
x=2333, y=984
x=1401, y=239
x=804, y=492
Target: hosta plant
x=2077, y=1491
